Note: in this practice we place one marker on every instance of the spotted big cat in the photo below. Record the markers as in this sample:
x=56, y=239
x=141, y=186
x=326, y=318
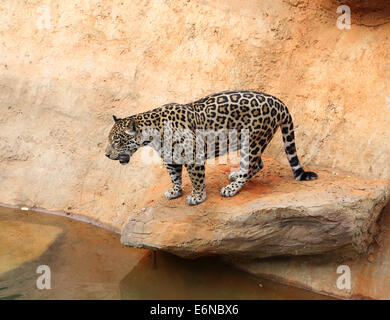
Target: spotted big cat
x=248, y=118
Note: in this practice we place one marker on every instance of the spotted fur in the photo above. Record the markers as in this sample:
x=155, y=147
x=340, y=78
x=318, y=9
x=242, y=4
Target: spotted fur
x=258, y=113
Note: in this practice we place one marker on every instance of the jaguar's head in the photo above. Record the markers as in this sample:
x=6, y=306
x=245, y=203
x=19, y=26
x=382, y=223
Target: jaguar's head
x=123, y=140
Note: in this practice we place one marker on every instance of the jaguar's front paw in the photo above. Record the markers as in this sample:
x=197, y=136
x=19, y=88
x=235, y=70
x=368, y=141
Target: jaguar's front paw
x=173, y=193
x=196, y=197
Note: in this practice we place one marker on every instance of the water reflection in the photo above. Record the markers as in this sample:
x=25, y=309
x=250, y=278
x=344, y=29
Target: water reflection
x=206, y=278
x=87, y=262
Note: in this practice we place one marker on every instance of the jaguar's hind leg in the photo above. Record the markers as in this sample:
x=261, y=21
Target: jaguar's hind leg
x=240, y=178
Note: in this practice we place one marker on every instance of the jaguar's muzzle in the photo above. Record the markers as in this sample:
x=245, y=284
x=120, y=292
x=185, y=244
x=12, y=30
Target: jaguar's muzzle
x=123, y=158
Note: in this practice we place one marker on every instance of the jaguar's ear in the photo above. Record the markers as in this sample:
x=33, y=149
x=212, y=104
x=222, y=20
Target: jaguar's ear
x=115, y=118
x=131, y=127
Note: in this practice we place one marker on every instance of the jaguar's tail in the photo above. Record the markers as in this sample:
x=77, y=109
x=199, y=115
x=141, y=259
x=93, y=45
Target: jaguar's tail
x=287, y=128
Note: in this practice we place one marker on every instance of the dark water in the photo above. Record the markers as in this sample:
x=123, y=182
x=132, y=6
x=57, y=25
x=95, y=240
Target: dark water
x=87, y=262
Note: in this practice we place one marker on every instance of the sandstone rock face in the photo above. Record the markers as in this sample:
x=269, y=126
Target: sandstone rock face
x=67, y=66
x=273, y=215
x=369, y=273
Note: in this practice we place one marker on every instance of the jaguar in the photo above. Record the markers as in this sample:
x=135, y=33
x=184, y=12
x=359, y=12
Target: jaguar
x=208, y=128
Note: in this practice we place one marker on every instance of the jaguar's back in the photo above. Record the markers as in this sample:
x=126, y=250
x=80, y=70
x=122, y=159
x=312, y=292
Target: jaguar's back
x=239, y=109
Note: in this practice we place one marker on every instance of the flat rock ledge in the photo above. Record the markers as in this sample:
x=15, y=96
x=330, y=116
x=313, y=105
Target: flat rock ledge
x=273, y=215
